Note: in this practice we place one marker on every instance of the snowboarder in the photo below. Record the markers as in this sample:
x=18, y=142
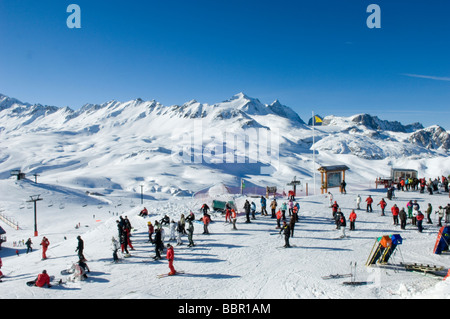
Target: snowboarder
x=286, y=230
x=80, y=248
x=369, y=201
x=29, y=243
x=43, y=280
x=165, y=220
x=170, y=257
x=44, y=243
x=352, y=219
x=144, y=212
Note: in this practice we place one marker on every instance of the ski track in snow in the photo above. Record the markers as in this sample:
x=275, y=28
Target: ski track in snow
x=248, y=263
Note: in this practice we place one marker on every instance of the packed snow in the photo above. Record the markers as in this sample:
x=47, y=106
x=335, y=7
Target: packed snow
x=98, y=163
x=248, y=263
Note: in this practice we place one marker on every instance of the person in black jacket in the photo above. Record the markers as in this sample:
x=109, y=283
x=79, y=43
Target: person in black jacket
x=159, y=246
x=80, y=248
x=286, y=230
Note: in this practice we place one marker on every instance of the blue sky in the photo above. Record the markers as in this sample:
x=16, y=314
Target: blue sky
x=311, y=55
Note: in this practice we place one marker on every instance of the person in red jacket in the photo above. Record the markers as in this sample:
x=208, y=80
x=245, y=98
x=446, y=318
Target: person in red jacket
x=369, y=201
x=43, y=280
x=279, y=216
x=395, y=210
x=419, y=218
x=170, y=257
x=383, y=205
x=44, y=243
x=352, y=219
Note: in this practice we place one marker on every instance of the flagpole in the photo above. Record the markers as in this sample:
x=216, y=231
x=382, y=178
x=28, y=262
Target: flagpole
x=314, y=151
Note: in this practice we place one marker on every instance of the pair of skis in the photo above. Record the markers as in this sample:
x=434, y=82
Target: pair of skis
x=168, y=275
x=351, y=275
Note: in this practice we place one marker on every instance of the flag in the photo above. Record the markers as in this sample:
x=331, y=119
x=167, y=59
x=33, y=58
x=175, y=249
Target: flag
x=317, y=119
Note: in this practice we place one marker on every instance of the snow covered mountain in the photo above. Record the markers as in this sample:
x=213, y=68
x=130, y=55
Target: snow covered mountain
x=182, y=148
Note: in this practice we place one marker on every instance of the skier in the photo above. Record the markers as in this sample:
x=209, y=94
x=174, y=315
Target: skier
x=206, y=220
x=358, y=202
x=403, y=217
x=296, y=211
x=279, y=216
x=263, y=206
x=205, y=208
x=80, y=248
x=395, y=212
x=247, y=211
x=292, y=226
x=369, y=201
x=190, y=232
x=342, y=223
x=291, y=207
x=343, y=185
x=44, y=243
x=273, y=206
x=234, y=218
x=158, y=244
x=382, y=205
x=170, y=257
x=330, y=198
x=334, y=209
x=151, y=230
x=127, y=232
x=115, y=249
x=352, y=219
x=420, y=218
x=283, y=210
x=179, y=232
x=173, y=227
x=124, y=243
x=286, y=230
x=253, y=210
x=29, y=243
x=1, y=265
x=440, y=212
x=429, y=211
x=409, y=207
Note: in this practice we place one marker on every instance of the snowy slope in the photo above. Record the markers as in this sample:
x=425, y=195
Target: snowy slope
x=245, y=264
x=94, y=162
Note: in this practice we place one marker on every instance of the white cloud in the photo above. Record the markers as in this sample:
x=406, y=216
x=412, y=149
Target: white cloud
x=430, y=77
